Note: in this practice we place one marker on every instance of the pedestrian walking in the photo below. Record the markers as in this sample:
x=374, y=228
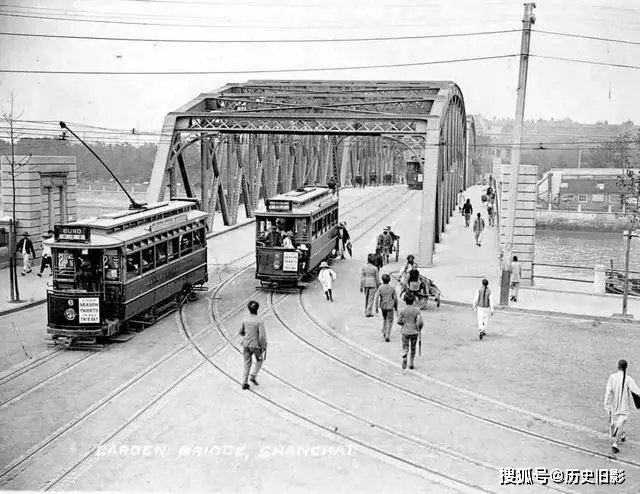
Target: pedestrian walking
x=25, y=249
x=490, y=214
x=478, y=228
x=411, y=322
x=46, y=259
x=621, y=390
x=369, y=283
x=386, y=300
x=483, y=305
x=343, y=241
x=460, y=200
x=332, y=184
x=516, y=275
x=379, y=260
x=327, y=276
x=467, y=211
x=254, y=343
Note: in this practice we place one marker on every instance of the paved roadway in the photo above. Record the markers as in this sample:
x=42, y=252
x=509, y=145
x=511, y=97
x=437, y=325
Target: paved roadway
x=334, y=410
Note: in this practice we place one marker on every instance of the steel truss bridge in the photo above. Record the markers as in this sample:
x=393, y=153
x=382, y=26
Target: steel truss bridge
x=263, y=137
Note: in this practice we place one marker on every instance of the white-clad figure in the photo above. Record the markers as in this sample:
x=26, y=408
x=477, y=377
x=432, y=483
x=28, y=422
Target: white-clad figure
x=483, y=305
x=616, y=403
x=327, y=276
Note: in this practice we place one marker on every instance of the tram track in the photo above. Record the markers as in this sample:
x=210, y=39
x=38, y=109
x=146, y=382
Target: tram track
x=371, y=448
x=49, y=441
x=8, y=473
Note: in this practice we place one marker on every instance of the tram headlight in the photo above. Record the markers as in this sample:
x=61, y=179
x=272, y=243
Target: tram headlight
x=276, y=264
x=70, y=314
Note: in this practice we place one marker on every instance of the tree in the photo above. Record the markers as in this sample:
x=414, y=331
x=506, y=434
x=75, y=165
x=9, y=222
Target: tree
x=11, y=119
x=629, y=188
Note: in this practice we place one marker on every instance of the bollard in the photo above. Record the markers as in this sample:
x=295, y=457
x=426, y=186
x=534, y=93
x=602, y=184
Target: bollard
x=599, y=279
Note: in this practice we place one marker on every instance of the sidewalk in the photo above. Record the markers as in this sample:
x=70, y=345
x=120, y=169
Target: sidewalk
x=459, y=266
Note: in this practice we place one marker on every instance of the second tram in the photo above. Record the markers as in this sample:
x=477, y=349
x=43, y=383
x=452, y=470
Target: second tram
x=295, y=234
x=414, y=174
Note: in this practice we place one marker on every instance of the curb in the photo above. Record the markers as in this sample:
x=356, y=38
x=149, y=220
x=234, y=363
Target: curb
x=24, y=306
x=540, y=312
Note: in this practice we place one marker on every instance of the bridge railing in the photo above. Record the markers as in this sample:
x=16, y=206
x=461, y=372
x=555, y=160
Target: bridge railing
x=603, y=280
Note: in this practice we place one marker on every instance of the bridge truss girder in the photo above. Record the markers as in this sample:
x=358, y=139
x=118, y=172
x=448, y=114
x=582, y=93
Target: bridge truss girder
x=260, y=138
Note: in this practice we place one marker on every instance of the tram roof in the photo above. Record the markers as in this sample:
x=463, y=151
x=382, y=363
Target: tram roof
x=304, y=200
x=113, y=229
x=129, y=218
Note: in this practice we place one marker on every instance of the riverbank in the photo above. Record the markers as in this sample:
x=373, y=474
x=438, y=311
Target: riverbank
x=585, y=221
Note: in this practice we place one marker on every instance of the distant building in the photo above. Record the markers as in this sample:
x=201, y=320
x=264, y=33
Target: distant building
x=593, y=189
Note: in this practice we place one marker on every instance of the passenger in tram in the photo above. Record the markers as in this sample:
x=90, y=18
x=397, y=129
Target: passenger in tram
x=287, y=240
x=87, y=276
x=274, y=237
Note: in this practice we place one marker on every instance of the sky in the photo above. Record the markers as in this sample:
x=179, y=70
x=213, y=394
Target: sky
x=556, y=89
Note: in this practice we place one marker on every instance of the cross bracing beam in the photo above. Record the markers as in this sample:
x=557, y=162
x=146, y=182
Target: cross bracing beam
x=260, y=123
x=260, y=138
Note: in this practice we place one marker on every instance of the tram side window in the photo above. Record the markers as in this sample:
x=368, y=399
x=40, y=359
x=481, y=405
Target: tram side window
x=173, y=248
x=198, y=239
x=111, y=261
x=161, y=253
x=186, y=245
x=147, y=259
x=133, y=264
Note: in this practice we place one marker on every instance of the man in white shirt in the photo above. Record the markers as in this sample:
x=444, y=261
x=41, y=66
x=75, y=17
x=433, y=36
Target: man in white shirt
x=483, y=305
x=46, y=259
x=617, y=396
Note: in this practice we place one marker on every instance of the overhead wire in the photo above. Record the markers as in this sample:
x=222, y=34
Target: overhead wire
x=263, y=40
x=255, y=71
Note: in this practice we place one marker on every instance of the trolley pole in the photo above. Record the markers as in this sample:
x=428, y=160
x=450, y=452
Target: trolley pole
x=527, y=22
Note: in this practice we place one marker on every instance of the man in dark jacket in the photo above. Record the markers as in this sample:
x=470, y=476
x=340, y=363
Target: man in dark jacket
x=25, y=249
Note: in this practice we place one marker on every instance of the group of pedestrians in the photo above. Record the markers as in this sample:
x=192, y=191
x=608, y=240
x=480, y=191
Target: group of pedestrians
x=25, y=249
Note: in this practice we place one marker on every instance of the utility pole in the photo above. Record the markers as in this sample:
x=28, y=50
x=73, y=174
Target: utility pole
x=527, y=21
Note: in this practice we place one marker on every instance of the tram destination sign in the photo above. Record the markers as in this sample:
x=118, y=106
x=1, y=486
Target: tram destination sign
x=167, y=222
x=72, y=233
x=278, y=205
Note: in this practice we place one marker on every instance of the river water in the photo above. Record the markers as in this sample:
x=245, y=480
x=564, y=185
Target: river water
x=582, y=249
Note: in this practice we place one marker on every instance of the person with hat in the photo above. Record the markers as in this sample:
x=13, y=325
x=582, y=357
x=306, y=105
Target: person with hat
x=408, y=267
x=273, y=237
x=369, y=283
x=25, y=249
x=343, y=241
x=327, y=276
x=46, y=259
x=621, y=390
x=483, y=305
x=386, y=241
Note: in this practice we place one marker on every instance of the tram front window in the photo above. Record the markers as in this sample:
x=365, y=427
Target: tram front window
x=82, y=266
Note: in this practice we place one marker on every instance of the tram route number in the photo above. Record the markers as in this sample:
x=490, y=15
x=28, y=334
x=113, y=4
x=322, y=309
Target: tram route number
x=290, y=261
x=89, y=310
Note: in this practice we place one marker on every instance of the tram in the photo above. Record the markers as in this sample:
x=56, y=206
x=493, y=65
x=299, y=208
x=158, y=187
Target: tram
x=295, y=234
x=414, y=174
x=122, y=267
